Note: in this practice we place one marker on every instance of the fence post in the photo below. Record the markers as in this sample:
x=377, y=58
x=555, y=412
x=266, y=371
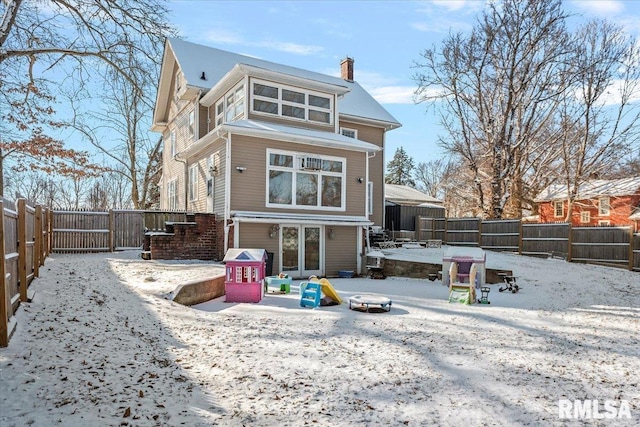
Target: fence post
x=520, y=237
x=444, y=234
x=37, y=241
x=479, y=232
x=570, y=243
x=22, y=249
x=4, y=310
x=49, y=230
x=631, y=242
x=112, y=223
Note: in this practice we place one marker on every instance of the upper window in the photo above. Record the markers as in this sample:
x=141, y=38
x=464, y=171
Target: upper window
x=558, y=209
x=179, y=81
x=604, y=206
x=294, y=103
x=585, y=216
x=351, y=133
x=193, y=183
x=192, y=123
x=231, y=106
x=172, y=142
x=305, y=181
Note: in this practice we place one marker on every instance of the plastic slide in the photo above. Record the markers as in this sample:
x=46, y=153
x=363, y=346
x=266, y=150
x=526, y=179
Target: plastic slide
x=330, y=291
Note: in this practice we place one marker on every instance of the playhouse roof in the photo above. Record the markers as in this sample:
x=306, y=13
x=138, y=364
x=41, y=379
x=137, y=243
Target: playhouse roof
x=239, y=254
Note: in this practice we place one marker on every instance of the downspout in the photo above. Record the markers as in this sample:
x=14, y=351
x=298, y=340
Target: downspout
x=227, y=187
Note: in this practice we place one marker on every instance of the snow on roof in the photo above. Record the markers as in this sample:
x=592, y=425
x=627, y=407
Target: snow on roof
x=400, y=193
x=592, y=189
x=194, y=59
x=239, y=254
x=300, y=135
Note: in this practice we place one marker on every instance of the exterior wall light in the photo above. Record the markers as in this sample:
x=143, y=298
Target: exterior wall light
x=241, y=169
x=273, y=231
x=332, y=233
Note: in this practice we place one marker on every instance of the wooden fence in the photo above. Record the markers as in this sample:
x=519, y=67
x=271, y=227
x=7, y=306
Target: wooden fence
x=614, y=246
x=114, y=230
x=24, y=244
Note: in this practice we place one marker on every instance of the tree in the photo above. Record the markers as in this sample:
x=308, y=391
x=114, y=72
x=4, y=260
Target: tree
x=430, y=177
x=400, y=169
x=41, y=41
x=498, y=90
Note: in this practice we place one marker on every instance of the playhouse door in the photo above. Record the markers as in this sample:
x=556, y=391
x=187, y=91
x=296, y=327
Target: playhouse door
x=301, y=250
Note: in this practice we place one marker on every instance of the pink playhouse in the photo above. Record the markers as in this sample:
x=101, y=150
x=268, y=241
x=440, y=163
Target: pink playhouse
x=245, y=273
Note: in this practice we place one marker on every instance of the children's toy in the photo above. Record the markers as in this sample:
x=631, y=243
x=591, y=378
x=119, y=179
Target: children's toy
x=282, y=280
x=464, y=293
x=245, y=272
x=370, y=303
x=484, y=298
x=310, y=294
x=464, y=257
x=509, y=284
x=325, y=288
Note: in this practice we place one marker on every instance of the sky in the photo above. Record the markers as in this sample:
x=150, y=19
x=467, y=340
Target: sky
x=385, y=39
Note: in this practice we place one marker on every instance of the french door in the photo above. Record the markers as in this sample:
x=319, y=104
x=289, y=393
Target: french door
x=302, y=254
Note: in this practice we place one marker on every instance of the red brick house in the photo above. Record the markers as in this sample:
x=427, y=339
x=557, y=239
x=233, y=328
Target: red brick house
x=599, y=202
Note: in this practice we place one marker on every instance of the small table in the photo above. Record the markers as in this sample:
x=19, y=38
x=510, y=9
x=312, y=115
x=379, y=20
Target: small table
x=368, y=302
x=434, y=243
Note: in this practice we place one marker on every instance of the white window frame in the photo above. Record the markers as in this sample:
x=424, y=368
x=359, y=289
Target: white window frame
x=280, y=102
x=179, y=81
x=193, y=183
x=172, y=143
x=172, y=194
x=231, y=101
x=604, y=206
x=191, y=124
x=585, y=217
x=604, y=222
x=344, y=131
x=297, y=167
x=554, y=205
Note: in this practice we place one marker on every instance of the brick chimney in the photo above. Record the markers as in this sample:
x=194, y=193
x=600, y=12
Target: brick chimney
x=346, y=69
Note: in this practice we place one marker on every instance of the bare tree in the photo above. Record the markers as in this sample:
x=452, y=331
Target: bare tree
x=79, y=38
x=498, y=88
x=430, y=177
x=598, y=116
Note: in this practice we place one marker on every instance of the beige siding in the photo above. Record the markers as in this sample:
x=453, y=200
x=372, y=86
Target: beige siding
x=288, y=122
x=374, y=135
x=257, y=236
x=249, y=188
x=341, y=252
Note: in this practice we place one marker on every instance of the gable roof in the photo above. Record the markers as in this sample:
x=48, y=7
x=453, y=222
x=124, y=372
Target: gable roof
x=592, y=189
x=405, y=195
x=195, y=59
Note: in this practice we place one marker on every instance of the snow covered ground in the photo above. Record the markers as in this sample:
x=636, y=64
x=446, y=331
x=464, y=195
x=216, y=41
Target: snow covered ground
x=100, y=345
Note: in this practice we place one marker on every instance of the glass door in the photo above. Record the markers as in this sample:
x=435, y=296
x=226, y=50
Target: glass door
x=301, y=250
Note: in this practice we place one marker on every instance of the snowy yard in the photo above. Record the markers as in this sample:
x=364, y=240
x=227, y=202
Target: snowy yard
x=100, y=345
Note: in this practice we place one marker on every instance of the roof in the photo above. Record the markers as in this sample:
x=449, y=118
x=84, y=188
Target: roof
x=592, y=189
x=239, y=254
x=195, y=59
x=635, y=215
x=403, y=194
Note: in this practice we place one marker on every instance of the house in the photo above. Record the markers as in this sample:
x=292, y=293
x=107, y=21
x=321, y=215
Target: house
x=404, y=204
x=599, y=202
x=287, y=160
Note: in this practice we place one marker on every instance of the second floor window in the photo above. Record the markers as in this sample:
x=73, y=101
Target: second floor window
x=303, y=181
x=351, y=133
x=294, y=103
x=585, y=217
x=604, y=206
x=192, y=124
x=172, y=142
x=558, y=209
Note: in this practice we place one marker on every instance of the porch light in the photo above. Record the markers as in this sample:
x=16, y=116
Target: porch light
x=273, y=230
x=332, y=233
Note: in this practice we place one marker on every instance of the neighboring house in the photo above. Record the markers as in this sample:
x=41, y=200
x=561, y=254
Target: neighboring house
x=288, y=160
x=599, y=202
x=404, y=204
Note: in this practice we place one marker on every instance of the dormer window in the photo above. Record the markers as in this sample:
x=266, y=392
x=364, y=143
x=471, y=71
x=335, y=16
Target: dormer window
x=289, y=102
x=350, y=133
x=231, y=106
x=179, y=81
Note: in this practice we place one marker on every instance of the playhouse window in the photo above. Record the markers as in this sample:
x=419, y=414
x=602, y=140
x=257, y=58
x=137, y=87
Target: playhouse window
x=302, y=181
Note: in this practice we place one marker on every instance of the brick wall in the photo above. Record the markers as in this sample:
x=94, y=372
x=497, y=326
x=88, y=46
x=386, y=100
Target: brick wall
x=621, y=209
x=202, y=237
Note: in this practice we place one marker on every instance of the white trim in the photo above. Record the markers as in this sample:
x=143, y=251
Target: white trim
x=346, y=129
x=193, y=183
x=607, y=211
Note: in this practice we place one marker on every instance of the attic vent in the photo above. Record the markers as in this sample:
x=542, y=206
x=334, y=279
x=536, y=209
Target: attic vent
x=311, y=163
